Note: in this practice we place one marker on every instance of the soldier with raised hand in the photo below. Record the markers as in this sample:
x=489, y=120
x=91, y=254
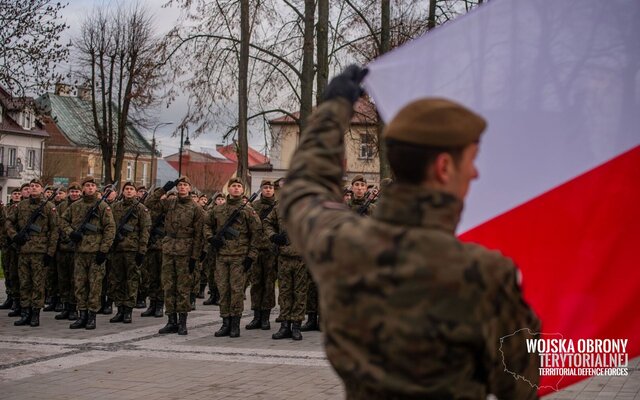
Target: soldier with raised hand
x=263, y=272
x=130, y=246
x=235, y=255
x=10, y=259
x=37, y=240
x=153, y=265
x=52, y=298
x=181, y=249
x=210, y=260
x=91, y=248
x=64, y=259
x=409, y=311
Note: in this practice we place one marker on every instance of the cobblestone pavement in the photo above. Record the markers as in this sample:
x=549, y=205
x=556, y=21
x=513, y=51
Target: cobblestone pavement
x=118, y=361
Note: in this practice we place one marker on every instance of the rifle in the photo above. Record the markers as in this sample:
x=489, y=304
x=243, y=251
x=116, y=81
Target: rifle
x=123, y=225
x=31, y=226
x=266, y=211
x=227, y=231
x=86, y=225
x=363, y=208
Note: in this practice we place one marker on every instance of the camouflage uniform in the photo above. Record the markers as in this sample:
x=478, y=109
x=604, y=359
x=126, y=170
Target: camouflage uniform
x=263, y=272
x=125, y=271
x=3, y=247
x=230, y=274
x=32, y=268
x=65, y=265
x=88, y=275
x=181, y=245
x=11, y=260
x=356, y=203
x=153, y=266
x=410, y=311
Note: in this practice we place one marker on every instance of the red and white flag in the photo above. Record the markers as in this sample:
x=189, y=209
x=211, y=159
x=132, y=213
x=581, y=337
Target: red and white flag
x=559, y=187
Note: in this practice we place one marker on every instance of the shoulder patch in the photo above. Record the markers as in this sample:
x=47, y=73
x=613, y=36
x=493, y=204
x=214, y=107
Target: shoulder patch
x=108, y=209
x=53, y=209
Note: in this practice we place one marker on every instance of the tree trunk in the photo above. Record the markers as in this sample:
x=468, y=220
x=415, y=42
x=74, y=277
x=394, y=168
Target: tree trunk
x=322, y=40
x=243, y=73
x=431, y=18
x=306, y=83
x=385, y=44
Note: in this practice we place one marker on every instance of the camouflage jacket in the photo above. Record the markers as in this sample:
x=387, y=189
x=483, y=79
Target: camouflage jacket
x=263, y=207
x=64, y=243
x=182, y=224
x=3, y=229
x=156, y=230
x=44, y=241
x=247, y=224
x=136, y=230
x=274, y=224
x=355, y=205
x=409, y=310
x=92, y=242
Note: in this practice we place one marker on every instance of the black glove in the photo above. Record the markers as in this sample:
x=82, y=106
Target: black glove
x=75, y=236
x=192, y=265
x=246, y=264
x=346, y=84
x=203, y=256
x=280, y=239
x=216, y=243
x=169, y=185
x=48, y=260
x=20, y=239
x=101, y=257
x=139, y=259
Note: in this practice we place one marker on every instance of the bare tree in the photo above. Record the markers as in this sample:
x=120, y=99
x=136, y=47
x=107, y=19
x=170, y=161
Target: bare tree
x=119, y=53
x=30, y=45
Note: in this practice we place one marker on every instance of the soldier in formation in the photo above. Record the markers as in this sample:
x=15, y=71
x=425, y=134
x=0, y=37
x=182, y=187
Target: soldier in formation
x=153, y=264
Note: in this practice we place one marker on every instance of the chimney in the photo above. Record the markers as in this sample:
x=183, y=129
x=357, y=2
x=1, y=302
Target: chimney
x=84, y=93
x=62, y=89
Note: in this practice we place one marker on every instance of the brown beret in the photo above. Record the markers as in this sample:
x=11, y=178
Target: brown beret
x=184, y=179
x=24, y=185
x=436, y=122
x=385, y=182
x=74, y=186
x=219, y=194
x=36, y=181
x=358, y=178
x=235, y=180
x=141, y=188
x=128, y=183
x=16, y=190
x=89, y=179
x=267, y=182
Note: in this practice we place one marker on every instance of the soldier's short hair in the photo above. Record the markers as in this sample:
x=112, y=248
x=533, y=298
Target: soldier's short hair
x=409, y=161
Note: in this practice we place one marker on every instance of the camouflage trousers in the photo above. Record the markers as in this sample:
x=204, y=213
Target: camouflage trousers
x=6, y=269
x=151, y=275
x=125, y=278
x=293, y=282
x=88, y=281
x=210, y=268
x=196, y=277
x=263, y=281
x=312, y=295
x=230, y=278
x=51, y=274
x=12, y=272
x=32, y=279
x=107, y=288
x=176, y=283
x=66, y=279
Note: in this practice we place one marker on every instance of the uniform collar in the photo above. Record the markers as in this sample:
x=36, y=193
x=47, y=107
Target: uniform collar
x=234, y=201
x=89, y=199
x=268, y=200
x=418, y=206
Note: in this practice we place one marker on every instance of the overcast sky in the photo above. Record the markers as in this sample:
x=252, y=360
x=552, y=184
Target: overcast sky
x=164, y=20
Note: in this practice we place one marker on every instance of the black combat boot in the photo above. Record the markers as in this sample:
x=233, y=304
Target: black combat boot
x=192, y=299
x=284, y=332
x=210, y=301
x=91, y=321
x=15, y=309
x=171, y=326
x=235, y=326
x=182, y=323
x=119, y=317
x=141, y=302
x=8, y=302
x=25, y=317
x=159, y=309
x=107, y=308
x=311, y=324
x=59, y=306
x=35, y=317
x=225, y=328
x=64, y=314
x=51, y=306
x=265, y=325
x=151, y=310
x=81, y=322
x=295, y=330
x=216, y=297
x=201, y=292
x=73, y=312
x=127, y=315
x=279, y=319
x=255, y=322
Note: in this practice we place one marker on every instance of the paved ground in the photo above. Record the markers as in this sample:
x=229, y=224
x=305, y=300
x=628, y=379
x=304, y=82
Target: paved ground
x=118, y=361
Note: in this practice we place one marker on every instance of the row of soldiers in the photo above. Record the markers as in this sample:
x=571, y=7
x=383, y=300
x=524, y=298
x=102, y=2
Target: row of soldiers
x=65, y=243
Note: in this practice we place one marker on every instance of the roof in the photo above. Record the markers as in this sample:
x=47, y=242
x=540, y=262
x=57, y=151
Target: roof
x=14, y=103
x=254, y=156
x=56, y=138
x=74, y=119
x=8, y=124
x=195, y=157
x=165, y=172
x=365, y=113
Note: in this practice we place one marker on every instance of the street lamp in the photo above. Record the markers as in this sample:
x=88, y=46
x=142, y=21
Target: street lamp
x=153, y=151
x=182, y=144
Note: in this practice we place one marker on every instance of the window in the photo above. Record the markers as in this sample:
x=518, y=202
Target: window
x=2, y=155
x=366, y=146
x=31, y=158
x=13, y=155
x=144, y=174
x=129, y=170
